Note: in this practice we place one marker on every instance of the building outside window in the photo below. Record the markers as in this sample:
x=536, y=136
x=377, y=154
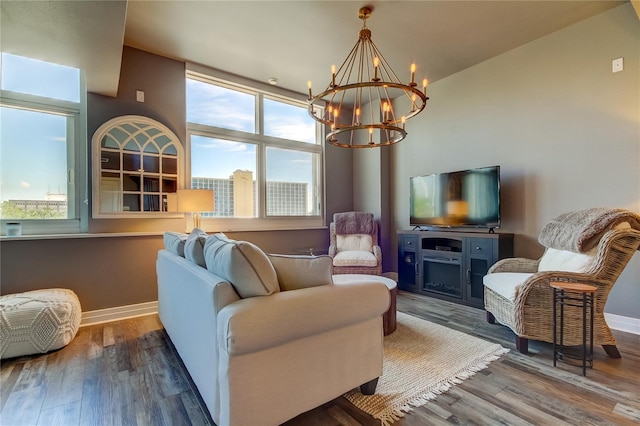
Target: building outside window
x=41, y=146
x=261, y=153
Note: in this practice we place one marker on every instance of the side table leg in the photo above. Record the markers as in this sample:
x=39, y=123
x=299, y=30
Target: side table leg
x=592, y=296
x=584, y=334
x=555, y=326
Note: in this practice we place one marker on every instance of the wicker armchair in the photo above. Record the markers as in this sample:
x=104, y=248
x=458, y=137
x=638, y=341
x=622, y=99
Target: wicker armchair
x=354, y=244
x=530, y=313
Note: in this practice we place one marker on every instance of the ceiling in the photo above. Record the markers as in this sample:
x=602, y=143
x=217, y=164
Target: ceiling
x=293, y=41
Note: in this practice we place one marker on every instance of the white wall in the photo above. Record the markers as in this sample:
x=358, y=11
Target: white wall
x=564, y=129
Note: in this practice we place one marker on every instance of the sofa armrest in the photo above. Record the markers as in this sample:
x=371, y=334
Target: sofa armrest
x=259, y=323
x=333, y=250
x=515, y=264
x=296, y=272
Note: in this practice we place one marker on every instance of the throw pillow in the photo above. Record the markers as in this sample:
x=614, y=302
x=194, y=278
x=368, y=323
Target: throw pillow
x=296, y=272
x=194, y=247
x=362, y=242
x=242, y=264
x=174, y=242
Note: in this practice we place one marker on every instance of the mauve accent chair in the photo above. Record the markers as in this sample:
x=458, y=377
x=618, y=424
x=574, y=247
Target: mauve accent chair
x=354, y=244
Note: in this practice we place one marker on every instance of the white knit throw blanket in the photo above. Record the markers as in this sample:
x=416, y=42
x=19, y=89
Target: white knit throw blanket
x=581, y=230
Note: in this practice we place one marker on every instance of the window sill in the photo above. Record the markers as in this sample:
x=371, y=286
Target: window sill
x=4, y=238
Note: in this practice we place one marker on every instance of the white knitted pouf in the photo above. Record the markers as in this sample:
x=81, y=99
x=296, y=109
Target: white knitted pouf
x=38, y=321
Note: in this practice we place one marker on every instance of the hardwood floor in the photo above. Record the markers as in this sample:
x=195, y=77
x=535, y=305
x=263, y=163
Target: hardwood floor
x=127, y=373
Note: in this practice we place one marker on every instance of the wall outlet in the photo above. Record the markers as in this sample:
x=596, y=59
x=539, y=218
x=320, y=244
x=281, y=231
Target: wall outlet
x=617, y=65
x=139, y=96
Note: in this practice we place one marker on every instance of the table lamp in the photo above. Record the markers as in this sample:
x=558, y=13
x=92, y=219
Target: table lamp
x=195, y=201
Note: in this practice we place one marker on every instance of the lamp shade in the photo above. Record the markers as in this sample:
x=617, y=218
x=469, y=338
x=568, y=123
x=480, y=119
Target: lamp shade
x=195, y=200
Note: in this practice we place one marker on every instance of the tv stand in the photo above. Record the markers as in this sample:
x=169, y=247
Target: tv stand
x=449, y=265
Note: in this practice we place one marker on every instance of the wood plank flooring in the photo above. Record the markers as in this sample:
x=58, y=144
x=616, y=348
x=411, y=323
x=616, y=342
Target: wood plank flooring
x=127, y=373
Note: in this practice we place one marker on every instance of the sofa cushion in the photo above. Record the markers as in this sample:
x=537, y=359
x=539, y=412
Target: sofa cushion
x=505, y=283
x=174, y=242
x=194, y=247
x=241, y=263
x=296, y=272
x=355, y=258
x=363, y=242
x=563, y=260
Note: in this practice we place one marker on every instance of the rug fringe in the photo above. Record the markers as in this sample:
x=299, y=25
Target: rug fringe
x=394, y=414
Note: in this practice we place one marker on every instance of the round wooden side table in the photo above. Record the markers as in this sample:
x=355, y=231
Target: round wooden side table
x=577, y=295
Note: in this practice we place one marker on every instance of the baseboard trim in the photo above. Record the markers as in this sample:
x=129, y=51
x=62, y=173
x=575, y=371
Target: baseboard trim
x=626, y=324
x=118, y=313
x=616, y=322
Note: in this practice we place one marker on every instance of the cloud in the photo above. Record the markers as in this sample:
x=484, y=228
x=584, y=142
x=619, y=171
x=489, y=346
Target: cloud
x=25, y=184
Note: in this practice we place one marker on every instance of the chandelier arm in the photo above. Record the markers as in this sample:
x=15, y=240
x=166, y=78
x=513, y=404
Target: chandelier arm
x=344, y=65
x=390, y=74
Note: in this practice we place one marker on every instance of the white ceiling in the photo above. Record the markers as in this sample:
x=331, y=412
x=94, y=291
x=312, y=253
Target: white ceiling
x=294, y=41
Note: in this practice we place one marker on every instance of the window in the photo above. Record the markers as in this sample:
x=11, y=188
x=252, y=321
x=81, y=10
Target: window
x=42, y=172
x=261, y=154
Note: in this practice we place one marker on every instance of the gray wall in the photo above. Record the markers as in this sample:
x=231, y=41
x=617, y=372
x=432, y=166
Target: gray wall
x=119, y=270
x=564, y=129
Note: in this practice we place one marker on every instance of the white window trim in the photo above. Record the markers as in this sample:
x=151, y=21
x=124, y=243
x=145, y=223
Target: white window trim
x=262, y=222
x=77, y=166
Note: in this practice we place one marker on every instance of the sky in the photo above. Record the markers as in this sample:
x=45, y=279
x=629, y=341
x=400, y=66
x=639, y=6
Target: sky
x=33, y=150
x=33, y=153
x=220, y=107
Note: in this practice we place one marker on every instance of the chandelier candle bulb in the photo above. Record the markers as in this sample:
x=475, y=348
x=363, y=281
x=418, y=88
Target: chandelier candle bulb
x=309, y=84
x=413, y=73
x=376, y=62
x=424, y=85
x=333, y=75
x=370, y=135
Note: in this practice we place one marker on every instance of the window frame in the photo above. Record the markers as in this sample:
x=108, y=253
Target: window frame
x=77, y=178
x=262, y=141
x=96, y=141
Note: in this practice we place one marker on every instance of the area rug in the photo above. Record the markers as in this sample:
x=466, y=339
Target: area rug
x=421, y=361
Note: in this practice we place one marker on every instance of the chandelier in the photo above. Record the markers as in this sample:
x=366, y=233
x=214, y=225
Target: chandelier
x=357, y=103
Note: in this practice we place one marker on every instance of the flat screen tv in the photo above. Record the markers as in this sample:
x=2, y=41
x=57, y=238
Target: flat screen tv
x=467, y=198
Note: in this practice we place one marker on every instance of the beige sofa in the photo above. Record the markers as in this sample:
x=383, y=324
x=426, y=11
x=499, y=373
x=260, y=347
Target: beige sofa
x=266, y=337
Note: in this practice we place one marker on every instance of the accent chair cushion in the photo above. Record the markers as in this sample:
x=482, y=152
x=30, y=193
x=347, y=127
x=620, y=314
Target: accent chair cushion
x=174, y=242
x=505, y=283
x=362, y=242
x=194, y=247
x=296, y=272
x=243, y=264
x=355, y=258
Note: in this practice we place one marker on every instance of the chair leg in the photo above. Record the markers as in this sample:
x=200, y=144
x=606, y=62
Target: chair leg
x=612, y=351
x=522, y=345
x=369, y=388
x=490, y=318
